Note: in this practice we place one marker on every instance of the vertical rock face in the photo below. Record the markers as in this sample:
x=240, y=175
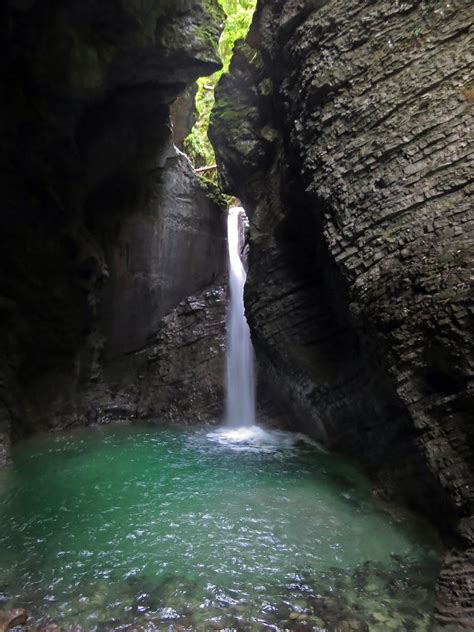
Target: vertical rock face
x=104, y=228
x=183, y=115
x=172, y=246
x=183, y=359
x=344, y=128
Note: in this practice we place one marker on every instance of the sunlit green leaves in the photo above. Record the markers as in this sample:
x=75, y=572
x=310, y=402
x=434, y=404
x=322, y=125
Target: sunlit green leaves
x=239, y=17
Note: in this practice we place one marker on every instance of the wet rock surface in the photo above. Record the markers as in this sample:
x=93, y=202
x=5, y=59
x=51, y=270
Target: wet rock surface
x=356, y=168
x=99, y=211
x=177, y=376
x=170, y=247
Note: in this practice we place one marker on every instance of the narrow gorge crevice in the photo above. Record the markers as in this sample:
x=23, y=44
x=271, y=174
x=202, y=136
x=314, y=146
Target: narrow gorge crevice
x=344, y=130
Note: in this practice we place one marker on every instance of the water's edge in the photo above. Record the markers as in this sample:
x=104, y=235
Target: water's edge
x=191, y=521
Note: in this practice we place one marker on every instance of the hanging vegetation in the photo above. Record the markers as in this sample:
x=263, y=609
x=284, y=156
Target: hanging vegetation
x=239, y=17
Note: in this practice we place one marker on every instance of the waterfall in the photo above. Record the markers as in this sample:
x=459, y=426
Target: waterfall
x=240, y=364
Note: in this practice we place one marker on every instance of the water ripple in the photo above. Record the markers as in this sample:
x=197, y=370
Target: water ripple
x=235, y=525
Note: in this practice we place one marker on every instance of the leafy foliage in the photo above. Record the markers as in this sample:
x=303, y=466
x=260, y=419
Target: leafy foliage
x=239, y=17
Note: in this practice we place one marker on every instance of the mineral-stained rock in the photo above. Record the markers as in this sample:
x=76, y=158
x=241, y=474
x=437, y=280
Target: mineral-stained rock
x=355, y=164
x=11, y=618
x=99, y=211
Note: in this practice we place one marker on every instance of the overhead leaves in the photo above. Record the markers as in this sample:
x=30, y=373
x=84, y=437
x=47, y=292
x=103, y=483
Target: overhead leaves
x=239, y=17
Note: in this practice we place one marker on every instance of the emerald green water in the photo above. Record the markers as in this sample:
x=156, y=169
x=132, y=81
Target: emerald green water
x=168, y=527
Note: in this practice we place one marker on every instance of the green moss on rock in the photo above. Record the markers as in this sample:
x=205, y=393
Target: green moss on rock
x=214, y=192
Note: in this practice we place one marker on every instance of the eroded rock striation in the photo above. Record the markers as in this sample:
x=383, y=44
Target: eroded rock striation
x=177, y=376
x=104, y=228
x=345, y=130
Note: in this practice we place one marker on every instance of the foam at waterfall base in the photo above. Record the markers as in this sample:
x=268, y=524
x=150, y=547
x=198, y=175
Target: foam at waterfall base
x=255, y=438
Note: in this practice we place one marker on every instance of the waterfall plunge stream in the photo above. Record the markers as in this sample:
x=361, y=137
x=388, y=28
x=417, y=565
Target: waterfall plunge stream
x=240, y=410
x=206, y=530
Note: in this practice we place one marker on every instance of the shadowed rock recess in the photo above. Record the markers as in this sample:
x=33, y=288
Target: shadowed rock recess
x=344, y=127
x=105, y=230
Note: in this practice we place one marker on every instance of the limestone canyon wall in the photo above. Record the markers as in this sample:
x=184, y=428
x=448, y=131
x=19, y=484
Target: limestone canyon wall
x=346, y=130
x=104, y=228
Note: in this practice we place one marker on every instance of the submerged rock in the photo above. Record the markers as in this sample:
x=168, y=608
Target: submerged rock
x=351, y=626
x=317, y=622
x=56, y=627
x=12, y=618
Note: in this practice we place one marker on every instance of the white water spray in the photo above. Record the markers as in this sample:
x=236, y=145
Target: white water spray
x=240, y=363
